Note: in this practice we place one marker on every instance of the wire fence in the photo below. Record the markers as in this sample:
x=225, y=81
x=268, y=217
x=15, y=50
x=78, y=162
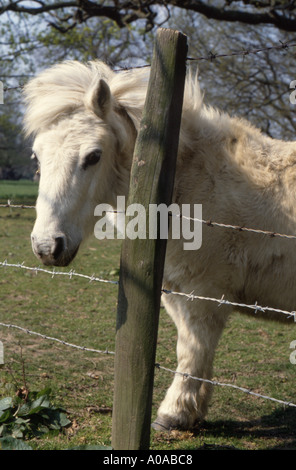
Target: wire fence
x=210, y=57
x=189, y=296
x=70, y=274
x=157, y=365
x=209, y=223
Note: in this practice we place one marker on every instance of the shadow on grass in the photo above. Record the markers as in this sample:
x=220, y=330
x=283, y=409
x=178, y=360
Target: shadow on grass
x=279, y=425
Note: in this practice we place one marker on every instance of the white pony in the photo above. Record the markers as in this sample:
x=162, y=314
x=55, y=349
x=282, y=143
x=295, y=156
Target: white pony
x=85, y=120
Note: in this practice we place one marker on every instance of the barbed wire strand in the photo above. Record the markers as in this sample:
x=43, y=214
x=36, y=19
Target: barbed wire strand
x=210, y=57
x=222, y=301
x=191, y=296
x=209, y=223
x=244, y=52
x=157, y=365
x=236, y=387
x=65, y=343
x=53, y=272
x=16, y=206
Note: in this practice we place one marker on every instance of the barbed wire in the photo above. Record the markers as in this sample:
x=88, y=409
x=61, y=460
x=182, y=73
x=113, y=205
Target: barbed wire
x=244, y=52
x=222, y=301
x=239, y=228
x=54, y=273
x=209, y=223
x=236, y=387
x=18, y=87
x=65, y=343
x=157, y=365
x=210, y=57
x=257, y=308
x=16, y=206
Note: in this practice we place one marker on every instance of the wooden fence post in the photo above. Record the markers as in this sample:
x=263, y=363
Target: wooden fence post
x=142, y=260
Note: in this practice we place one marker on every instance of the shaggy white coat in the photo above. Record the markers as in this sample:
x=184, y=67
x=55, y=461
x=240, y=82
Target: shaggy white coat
x=240, y=177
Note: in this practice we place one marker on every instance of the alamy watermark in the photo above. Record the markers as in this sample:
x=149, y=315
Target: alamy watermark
x=133, y=222
x=1, y=93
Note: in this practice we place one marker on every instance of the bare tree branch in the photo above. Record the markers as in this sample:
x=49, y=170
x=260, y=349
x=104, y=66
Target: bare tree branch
x=278, y=13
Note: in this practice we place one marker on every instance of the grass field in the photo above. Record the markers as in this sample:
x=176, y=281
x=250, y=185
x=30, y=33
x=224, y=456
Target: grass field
x=253, y=354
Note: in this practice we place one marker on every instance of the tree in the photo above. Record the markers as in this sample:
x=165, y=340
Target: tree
x=26, y=46
x=253, y=86
x=41, y=32
x=66, y=14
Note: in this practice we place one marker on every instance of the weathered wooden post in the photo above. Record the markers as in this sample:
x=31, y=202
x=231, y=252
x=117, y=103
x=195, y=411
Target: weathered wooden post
x=142, y=260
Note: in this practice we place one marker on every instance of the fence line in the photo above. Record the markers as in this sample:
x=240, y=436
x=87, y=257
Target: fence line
x=157, y=365
x=244, y=52
x=210, y=57
x=209, y=223
x=65, y=343
x=191, y=296
x=16, y=206
x=53, y=273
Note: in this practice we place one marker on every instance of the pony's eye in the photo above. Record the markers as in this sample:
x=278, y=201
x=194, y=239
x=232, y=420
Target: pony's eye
x=35, y=158
x=92, y=158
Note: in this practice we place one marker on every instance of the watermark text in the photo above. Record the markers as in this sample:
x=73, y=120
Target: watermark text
x=179, y=222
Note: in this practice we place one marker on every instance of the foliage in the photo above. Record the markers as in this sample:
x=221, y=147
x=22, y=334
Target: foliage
x=255, y=87
x=30, y=414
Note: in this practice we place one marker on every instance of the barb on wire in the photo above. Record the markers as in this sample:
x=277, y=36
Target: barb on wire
x=18, y=87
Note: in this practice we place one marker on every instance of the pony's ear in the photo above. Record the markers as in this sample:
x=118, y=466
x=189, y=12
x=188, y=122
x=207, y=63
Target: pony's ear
x=99, y=99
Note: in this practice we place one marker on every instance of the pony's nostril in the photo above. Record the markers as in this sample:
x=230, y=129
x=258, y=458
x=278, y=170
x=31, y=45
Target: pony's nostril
x=59, y=247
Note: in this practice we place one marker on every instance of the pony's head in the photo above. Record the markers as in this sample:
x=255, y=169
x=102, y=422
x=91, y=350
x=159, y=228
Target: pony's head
x=84, y=120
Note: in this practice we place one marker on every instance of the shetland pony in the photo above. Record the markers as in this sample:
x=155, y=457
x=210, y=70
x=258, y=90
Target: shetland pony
x=84, y=119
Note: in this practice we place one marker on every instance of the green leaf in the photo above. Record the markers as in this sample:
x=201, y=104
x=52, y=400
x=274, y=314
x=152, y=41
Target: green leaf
x=6, y=403
x=46, y=391
x=5, y=415
x=18, y=432
x=10, y=443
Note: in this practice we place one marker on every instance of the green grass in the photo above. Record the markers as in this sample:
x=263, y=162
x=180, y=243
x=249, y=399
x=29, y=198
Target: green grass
x=17, y=191
x=252, y=353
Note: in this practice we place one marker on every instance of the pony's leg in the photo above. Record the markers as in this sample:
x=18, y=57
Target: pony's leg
x=199, y=328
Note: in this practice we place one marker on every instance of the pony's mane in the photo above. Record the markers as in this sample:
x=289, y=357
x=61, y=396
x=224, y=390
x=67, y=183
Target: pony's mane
x=61, y=89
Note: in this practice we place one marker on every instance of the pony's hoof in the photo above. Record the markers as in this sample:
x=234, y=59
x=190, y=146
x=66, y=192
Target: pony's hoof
x=163, y=424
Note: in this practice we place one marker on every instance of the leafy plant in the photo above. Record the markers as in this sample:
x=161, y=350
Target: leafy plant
x=29, y=414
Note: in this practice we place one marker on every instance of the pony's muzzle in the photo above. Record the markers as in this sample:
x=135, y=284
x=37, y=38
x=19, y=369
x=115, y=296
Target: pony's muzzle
x=52, y=251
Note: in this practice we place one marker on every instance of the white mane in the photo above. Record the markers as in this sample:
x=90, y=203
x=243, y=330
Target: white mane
x=61, y=89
